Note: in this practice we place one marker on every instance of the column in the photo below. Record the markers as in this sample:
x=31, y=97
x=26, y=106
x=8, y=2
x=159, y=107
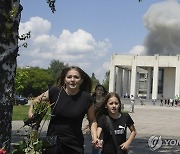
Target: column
x=119, y=86
x=133, y=77
x=155, y=78
x=112, y=76
x=125, y=81
x=177, y=77
x=149, y=82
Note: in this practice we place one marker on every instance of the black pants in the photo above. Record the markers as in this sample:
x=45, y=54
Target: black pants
x=62, y=148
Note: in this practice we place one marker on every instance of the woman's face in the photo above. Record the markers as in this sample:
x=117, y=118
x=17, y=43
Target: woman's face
x=99, y=91
x=113, y=105
x=73, y=80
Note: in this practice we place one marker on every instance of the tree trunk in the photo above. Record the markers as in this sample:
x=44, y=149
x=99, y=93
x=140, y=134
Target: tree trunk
x=9, y=25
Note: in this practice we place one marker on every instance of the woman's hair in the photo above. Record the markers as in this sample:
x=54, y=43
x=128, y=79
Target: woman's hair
x=102, y=110
x=104, y=90
x=86, y=85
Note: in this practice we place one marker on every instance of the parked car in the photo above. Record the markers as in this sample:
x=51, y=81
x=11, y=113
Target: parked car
x=19, y=100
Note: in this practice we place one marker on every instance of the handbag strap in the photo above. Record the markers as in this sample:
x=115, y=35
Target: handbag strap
x=113, y=134
x=56, y=102
x=52, y=108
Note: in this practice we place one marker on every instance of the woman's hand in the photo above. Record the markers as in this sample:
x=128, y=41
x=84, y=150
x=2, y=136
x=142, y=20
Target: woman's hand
x=97, y=143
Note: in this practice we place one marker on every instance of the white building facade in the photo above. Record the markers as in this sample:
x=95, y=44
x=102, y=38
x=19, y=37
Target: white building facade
x=148, y=76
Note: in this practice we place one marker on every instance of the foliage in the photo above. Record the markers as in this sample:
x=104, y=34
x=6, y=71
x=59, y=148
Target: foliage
x=21, y=80
x=32, y=81
x=52, y=5
x=94, y=81
x=24, y=37
x=32, y=144
x=106, y=80
x=56, y=67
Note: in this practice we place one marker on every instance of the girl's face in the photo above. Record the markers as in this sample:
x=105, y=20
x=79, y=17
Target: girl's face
x=73, y=80
x=99, y=91
x=113, y=105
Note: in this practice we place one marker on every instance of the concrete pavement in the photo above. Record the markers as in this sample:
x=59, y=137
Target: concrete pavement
x=150, y=120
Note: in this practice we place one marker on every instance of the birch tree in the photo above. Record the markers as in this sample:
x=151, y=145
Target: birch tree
x=10, y=15
x=10, y=11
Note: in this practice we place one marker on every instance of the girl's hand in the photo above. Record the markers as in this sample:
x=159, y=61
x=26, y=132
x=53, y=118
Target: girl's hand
x=124, y=146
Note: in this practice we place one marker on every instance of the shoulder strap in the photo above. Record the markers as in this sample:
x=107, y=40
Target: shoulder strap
x=56, y=102
x=113, y=134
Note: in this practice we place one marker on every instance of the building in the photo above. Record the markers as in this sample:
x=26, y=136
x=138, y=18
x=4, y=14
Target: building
x=150, y=77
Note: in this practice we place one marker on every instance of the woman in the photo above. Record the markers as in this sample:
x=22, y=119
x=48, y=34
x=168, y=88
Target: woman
x=112, y=107
x=73, y=88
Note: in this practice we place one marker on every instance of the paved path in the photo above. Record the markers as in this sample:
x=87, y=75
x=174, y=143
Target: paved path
x=149, y=121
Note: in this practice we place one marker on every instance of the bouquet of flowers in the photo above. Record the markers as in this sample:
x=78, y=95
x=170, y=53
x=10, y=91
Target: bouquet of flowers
x=32, y=144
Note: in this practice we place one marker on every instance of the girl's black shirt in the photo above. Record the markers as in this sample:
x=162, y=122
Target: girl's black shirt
x=68, y=115
x=120, y=127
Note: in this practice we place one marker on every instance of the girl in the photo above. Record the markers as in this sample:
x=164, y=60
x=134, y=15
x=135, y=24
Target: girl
x=120, y=121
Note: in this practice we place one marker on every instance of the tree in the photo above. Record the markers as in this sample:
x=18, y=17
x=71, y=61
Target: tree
x=20, y=80
x=9, y=25
x=94, y=81
x=10, y=11
x=38, y=81
x=106, y=80
x=56, y=67
x=33, y=81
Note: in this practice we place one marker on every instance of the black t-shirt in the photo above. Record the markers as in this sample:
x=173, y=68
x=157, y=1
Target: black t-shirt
x=68, y=115
x=120, y=127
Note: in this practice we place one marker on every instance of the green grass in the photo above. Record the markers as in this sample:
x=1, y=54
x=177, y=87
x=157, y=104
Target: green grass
x=20, y=112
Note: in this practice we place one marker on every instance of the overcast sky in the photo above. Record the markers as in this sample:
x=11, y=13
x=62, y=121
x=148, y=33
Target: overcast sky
x=87, y=32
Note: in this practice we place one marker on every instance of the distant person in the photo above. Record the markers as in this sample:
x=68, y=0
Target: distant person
x=165, y=102
x=72, y=94
x=168, y=102
x=98, y=95
x=132, y=103
x=161, y=100
x=111, y=107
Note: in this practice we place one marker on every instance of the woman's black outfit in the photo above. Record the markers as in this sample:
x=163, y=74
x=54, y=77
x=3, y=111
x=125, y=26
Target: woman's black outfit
x=66, y=120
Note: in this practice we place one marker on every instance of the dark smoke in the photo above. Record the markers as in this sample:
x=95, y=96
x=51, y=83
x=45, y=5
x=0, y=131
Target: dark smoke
x=163, y=23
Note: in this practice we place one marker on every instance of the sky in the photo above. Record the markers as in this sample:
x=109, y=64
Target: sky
x=86, y=33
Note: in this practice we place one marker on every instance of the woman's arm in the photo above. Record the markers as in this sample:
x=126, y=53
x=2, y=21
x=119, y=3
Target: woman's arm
x=92, y=123
x=99, y=130
x=43, y=97
x=132, y=135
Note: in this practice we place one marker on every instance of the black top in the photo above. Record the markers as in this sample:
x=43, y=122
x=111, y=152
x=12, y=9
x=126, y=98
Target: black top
x=68, y=115
x=120, y=127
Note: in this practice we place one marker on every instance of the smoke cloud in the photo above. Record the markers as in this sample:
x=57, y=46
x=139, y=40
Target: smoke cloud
x=163, y=23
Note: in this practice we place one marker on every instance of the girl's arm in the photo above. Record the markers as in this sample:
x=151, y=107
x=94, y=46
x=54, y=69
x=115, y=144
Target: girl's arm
x=132, y=135
x=43, y=97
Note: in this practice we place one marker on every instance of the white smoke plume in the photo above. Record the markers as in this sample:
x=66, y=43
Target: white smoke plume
x=163, y=23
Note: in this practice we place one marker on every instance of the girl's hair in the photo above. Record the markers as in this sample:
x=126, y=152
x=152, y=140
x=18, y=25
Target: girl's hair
x=104, y=90
x=102, y=110
x=86, y=85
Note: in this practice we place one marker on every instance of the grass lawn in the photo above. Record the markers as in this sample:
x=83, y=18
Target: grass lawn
x=20, y=112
